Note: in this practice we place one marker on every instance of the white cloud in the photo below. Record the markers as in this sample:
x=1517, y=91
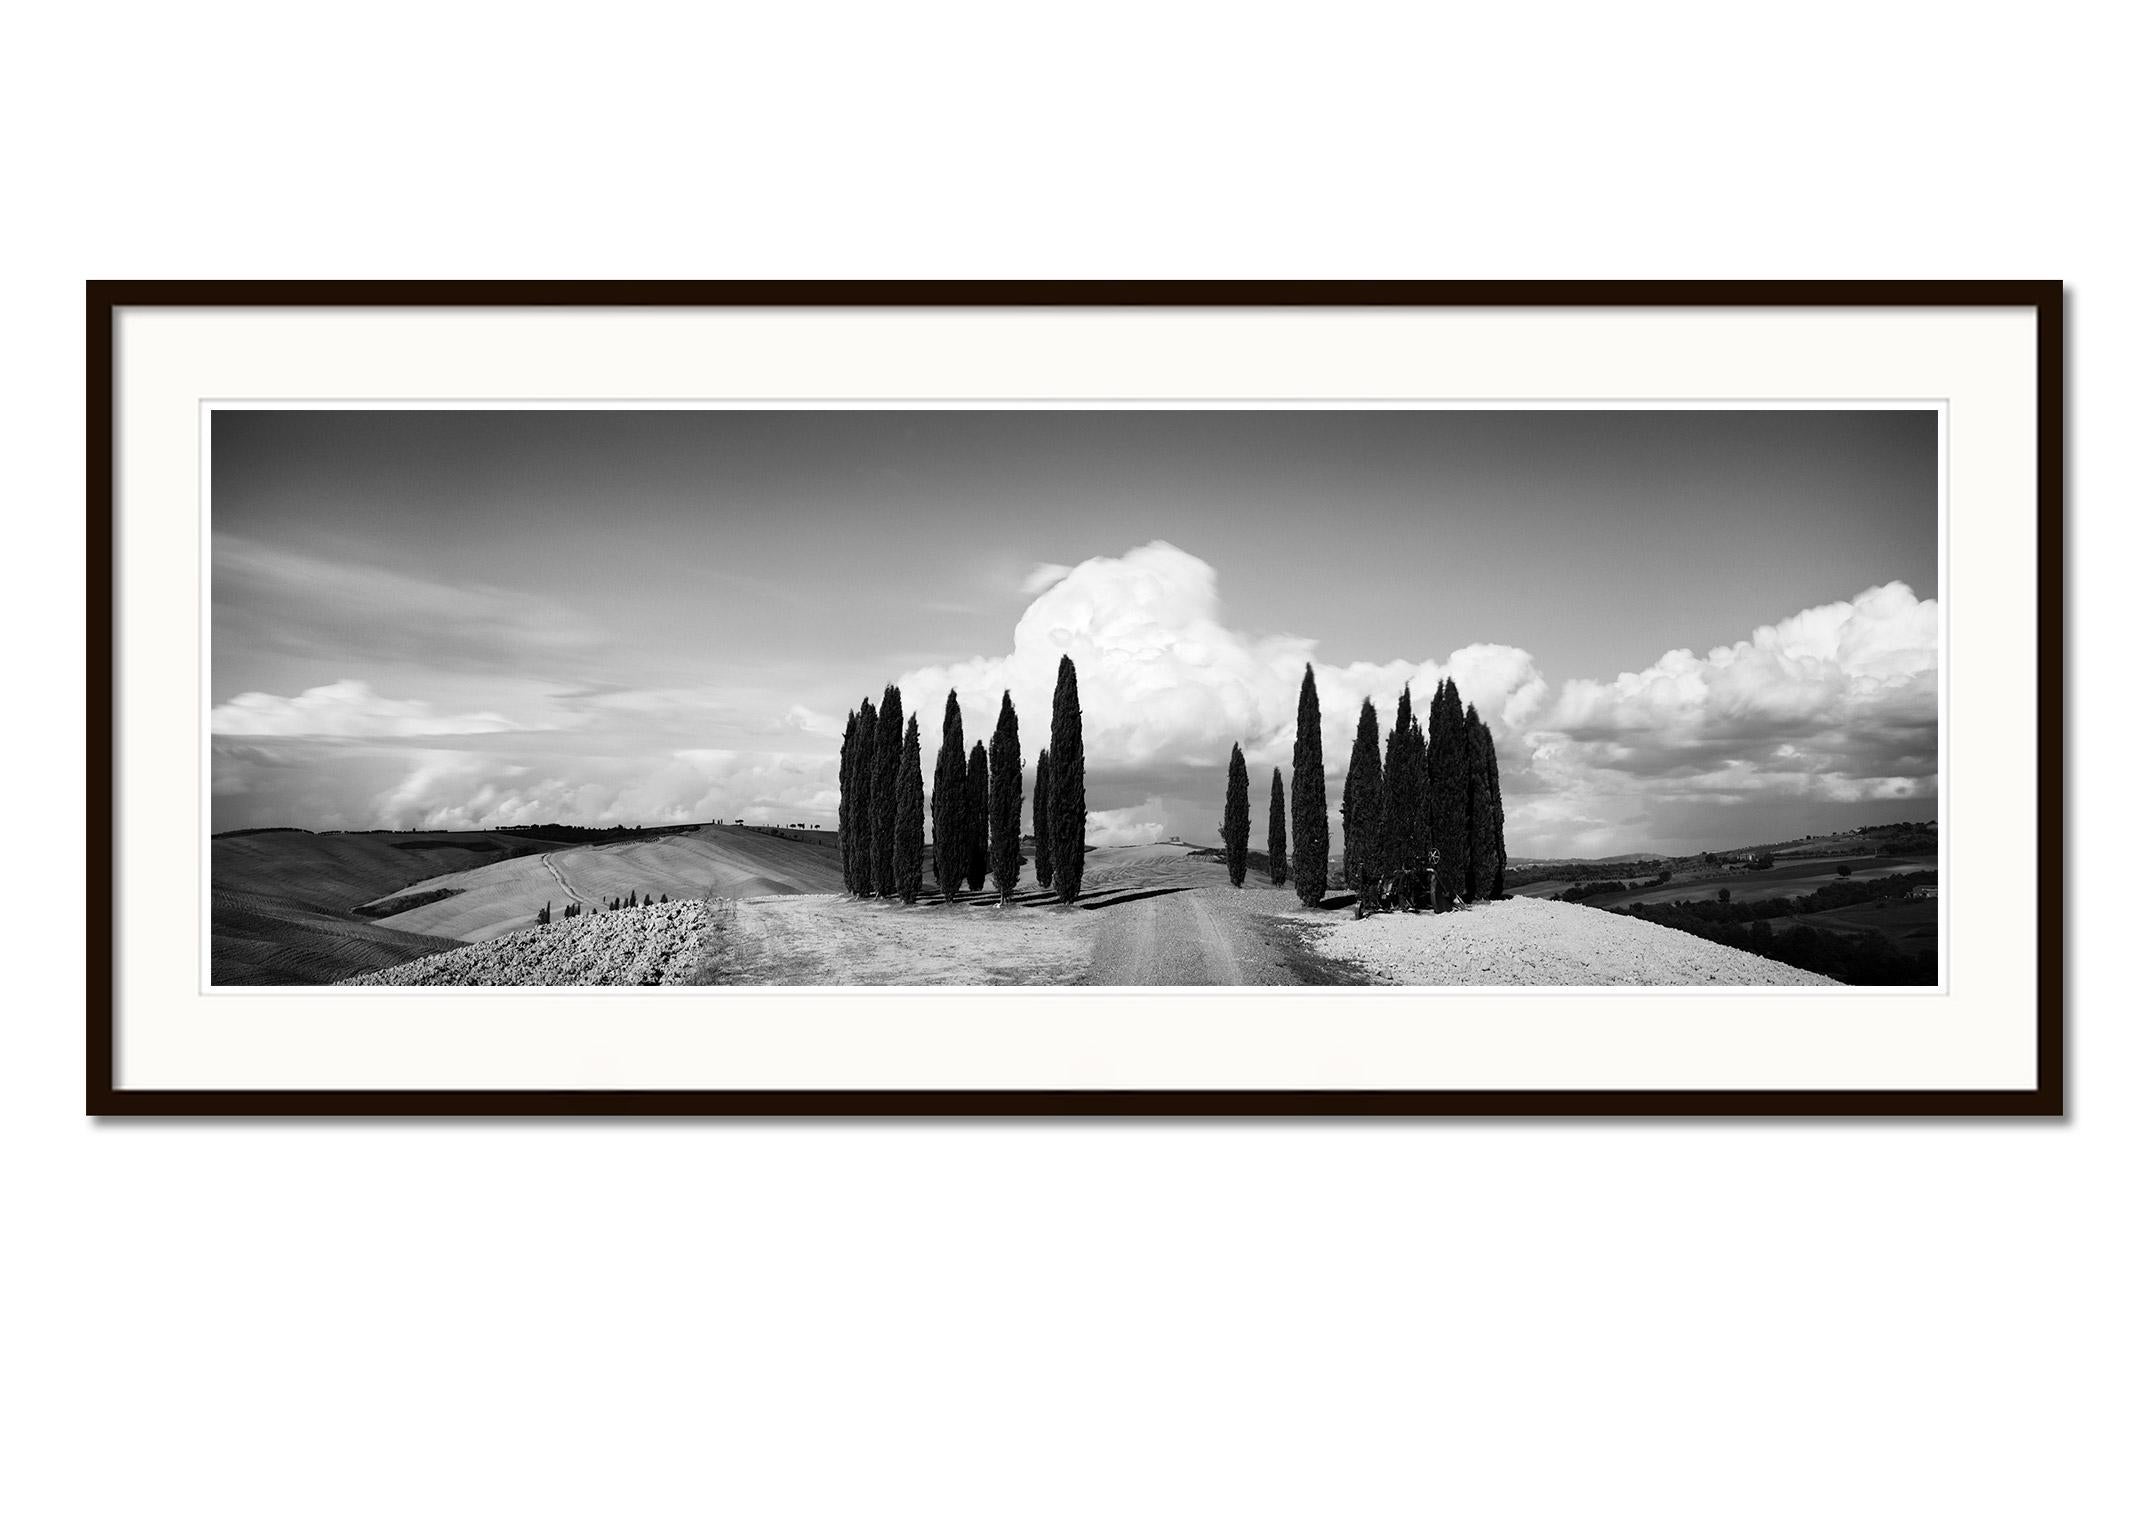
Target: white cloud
x=347, y=708
x=1126, y=825
x=1165, y=682
x=1830, y=708
x=1835, y=706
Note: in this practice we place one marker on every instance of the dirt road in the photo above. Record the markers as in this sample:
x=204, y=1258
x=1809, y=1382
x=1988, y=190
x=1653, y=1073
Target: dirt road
x=565, y=885
x=1208, y=937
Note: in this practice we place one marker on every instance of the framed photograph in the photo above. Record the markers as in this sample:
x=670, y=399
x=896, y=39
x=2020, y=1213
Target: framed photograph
x=1076, y=698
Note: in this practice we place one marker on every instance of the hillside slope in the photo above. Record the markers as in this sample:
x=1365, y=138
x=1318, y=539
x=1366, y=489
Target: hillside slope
x=708, y=862
x=636, y=947
x=1532, y=943
x=280, y=902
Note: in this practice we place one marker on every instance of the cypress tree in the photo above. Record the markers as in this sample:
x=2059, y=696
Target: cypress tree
x=1477, y=869
x=1499, y=818
x=867, y=778
x=1238, y=817
x=907, y=852
x=977, y=818
x=887, y=769
x=1309, y=799
x=1362, y=841
x=1278, y=863
x=950, y=830
x=1006, y=811
x=1402, y=786
x=1485, y=836
x=846, y=762
x=1041, y=820
x=1070, y=805
x=1447, y=783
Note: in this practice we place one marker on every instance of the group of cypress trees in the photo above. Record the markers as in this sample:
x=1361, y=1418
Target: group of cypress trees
x=1434, y=792
x=976, y=803
x=880, y=805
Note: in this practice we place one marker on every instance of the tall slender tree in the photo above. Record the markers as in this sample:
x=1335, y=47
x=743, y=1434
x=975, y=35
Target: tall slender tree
x=1402, y=787
x=951, y=830
x=846, y=803
x=1309, y=799
x=1279, y=861
x=977, y=818
x=1499, y=817
x=1484, y=834
x=887, y=769
x=1005, y=769
x=907, y=853
x=1041, y=820
x=1070, y=805
x=867, y=778
x=1448, y=784
x=1238, y=817
x=1362, y=841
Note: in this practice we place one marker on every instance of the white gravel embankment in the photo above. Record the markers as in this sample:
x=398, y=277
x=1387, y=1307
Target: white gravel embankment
x=1525, y=941
x=660, y=944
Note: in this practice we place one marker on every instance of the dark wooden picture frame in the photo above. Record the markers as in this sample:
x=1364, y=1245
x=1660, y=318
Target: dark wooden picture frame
x=106, y=1097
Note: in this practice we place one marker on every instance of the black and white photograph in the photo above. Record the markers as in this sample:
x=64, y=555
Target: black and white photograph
x=1453, y=698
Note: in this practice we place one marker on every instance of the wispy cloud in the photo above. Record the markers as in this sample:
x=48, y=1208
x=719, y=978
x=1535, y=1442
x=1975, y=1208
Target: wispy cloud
x=347, y=708
x=291, y=604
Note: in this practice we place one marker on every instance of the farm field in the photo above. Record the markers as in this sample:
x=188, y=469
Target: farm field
x=708, y=862
x=280, y=901
x=1914, y=926
x=1745, y=885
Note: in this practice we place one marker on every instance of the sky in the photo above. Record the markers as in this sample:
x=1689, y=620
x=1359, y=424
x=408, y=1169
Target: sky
x=1687, y=629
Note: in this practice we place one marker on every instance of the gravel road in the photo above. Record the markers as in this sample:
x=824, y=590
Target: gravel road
x=1209, y=937
x=1525, y=940
x=661, y=944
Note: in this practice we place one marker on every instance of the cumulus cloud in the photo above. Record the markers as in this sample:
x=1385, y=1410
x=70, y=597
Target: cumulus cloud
x=1166, y=683
x=347, y=708
x=1126, y=825
x=1832, y=708
x=1835, y=706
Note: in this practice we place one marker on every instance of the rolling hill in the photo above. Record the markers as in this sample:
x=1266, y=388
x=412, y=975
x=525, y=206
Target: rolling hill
x=281, y=901
x=707, y=862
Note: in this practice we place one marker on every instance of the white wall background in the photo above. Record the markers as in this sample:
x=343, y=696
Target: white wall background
x=1023, y=1329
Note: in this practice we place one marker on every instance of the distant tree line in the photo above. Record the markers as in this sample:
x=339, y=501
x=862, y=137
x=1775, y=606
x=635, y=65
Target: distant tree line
x=1836, y=894
x=631, y=900
x=1424, y=819
x=1589, y=889
x=975, y=804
